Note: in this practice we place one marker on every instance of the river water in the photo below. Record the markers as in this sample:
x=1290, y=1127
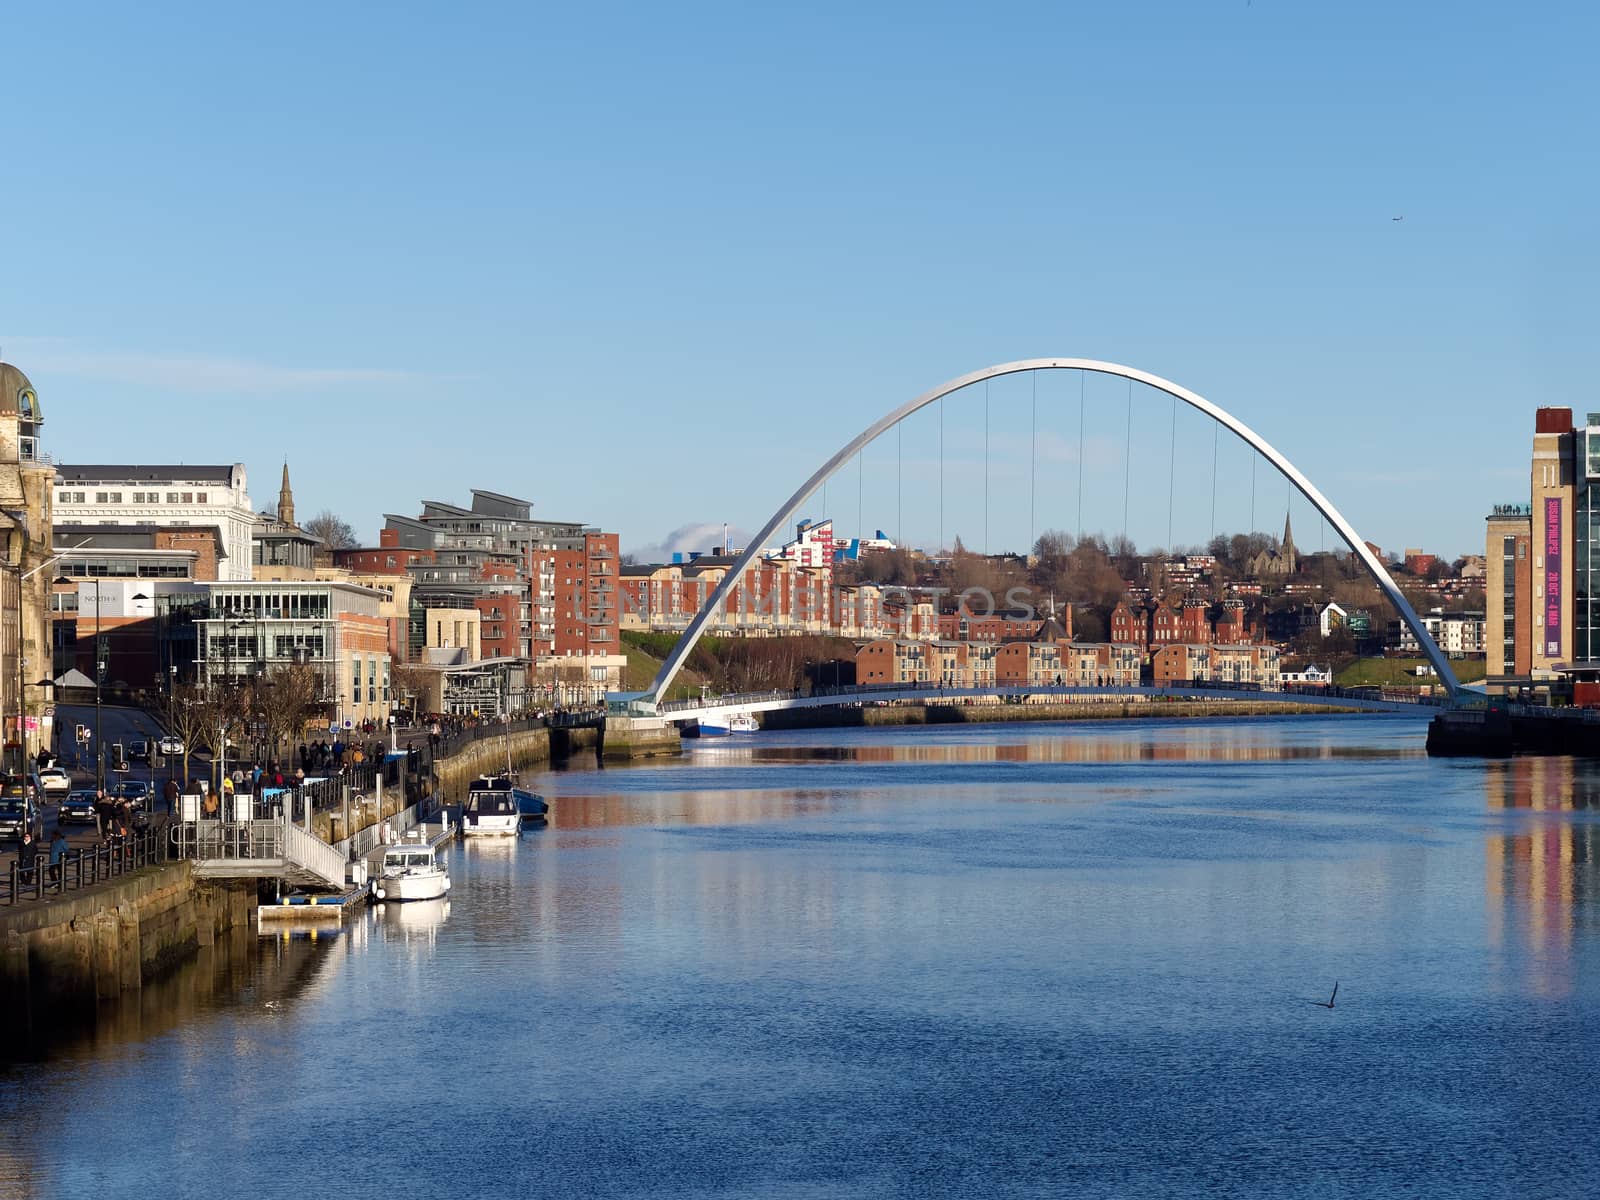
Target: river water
x=1043, y=960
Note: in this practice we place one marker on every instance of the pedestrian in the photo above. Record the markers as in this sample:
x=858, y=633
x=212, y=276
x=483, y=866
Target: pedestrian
x=104, y=810
x=172, y=791
x=27, y=857
x=58, y=854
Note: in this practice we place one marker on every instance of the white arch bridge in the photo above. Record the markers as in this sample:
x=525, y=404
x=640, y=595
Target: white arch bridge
x=649, y=702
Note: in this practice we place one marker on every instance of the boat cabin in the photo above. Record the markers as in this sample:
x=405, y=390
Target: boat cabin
x=407, y=858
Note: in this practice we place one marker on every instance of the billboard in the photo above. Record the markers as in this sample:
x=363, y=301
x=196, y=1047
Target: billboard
x=1552, y=576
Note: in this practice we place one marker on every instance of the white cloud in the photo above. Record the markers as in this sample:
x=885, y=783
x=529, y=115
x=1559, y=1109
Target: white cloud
x=701, y=535
x=192, y=373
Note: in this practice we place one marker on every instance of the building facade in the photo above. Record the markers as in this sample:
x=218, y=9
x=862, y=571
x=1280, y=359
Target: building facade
x=334, y=626
x=1552, y=494
x=26, y=520
x=163, y=496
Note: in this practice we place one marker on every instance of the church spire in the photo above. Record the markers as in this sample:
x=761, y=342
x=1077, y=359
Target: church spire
x=285, y=500
x=1286, y=552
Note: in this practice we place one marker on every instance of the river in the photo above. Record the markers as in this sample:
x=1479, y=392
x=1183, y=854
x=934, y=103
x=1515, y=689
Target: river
x=1048, y=960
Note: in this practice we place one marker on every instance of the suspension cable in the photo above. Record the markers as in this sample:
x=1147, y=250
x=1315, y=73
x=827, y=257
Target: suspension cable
x=1083, y=385
x=1172, y=471
x=986, y=467
x=1033, y=463
x=1127, y=463
x=1216, y=433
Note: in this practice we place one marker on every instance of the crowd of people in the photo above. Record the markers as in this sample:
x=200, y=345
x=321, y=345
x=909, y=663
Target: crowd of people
x=116, y=819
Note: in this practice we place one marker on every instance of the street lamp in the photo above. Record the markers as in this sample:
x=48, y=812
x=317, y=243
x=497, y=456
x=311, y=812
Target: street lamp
x=100, y=654
x=42, y=683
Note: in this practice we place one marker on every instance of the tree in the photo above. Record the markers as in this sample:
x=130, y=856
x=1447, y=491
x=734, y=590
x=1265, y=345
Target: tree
x=286, y=697
x=333, y=529
x=412, y=683
x=200, y=711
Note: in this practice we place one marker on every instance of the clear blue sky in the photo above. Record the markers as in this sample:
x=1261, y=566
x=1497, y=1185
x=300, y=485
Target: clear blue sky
x=647, y=265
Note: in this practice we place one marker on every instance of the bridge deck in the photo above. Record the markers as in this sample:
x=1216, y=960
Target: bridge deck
x=722, y=706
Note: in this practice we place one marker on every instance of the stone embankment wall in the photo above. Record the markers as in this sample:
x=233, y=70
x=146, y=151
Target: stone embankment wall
x=60, y=959
x=957, y=714
x=488, y=757
x=640, y=737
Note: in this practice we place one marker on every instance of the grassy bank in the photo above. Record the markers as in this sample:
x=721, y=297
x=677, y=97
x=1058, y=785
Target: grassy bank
x=1402, y=672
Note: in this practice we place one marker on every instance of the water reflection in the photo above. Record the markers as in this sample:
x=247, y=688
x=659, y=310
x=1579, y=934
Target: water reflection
x=415, y=919
x=1063, y=746
x=1540, y=874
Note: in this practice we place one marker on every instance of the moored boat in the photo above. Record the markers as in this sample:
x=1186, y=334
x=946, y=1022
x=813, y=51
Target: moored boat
x=411, y=871
x=491, y=808
x=743, y=723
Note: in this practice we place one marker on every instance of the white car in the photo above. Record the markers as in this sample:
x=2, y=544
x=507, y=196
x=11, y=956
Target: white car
x=171, y=745
x=54, y=780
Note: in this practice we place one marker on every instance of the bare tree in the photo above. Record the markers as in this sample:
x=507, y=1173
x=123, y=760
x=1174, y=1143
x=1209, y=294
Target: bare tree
x=206, y=714
x=333, y=529
x=286, y=697
x=411, y=679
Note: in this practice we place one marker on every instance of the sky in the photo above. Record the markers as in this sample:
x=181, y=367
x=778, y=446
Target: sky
x=648, y=266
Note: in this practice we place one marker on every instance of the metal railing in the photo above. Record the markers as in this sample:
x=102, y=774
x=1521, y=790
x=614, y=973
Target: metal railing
x=83, y=868
x=270, y=841
x=935, y=688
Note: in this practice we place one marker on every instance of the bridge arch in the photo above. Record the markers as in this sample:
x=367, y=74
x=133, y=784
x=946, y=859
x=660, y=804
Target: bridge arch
x=780, y=519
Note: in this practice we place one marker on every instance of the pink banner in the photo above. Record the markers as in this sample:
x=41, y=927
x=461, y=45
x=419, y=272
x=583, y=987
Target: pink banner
x=1552, y=576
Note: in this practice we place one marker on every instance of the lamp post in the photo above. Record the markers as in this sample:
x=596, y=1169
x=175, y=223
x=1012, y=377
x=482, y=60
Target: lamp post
x=99, y=673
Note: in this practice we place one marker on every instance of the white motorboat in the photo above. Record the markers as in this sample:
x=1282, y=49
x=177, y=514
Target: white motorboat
x=493, y=808
x=411, y=871
x=743, y=723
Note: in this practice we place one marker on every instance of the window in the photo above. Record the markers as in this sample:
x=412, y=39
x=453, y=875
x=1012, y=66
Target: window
x=188, y=497
x=101, y=497
x=116, y=497
x=200, y=497
x=172, y=497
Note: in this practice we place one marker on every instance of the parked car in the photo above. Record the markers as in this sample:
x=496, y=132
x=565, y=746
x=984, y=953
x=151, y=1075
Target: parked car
x=17, y=812
x=171, y=745
x=54, y=781
x=77, y=808
x=139, y=751
x=135, y=791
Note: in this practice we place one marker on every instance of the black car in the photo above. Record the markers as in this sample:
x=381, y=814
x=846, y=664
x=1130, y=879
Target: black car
x=77, y=808
x=135, y=791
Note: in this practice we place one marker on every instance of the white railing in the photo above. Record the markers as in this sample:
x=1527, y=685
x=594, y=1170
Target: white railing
x=312, y=853
x=266, y=842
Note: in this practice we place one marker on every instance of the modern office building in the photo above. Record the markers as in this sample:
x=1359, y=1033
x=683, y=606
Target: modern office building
x=334, y=626
x=162, y=496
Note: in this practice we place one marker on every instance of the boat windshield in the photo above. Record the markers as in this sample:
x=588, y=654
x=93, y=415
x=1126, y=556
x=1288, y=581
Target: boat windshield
x=408, y=858
x=487, y=804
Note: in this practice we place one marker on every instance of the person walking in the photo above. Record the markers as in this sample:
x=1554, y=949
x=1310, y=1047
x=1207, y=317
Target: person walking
x=103, y=812
x=58, y=855
x=172, y=791
x=27, y=857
